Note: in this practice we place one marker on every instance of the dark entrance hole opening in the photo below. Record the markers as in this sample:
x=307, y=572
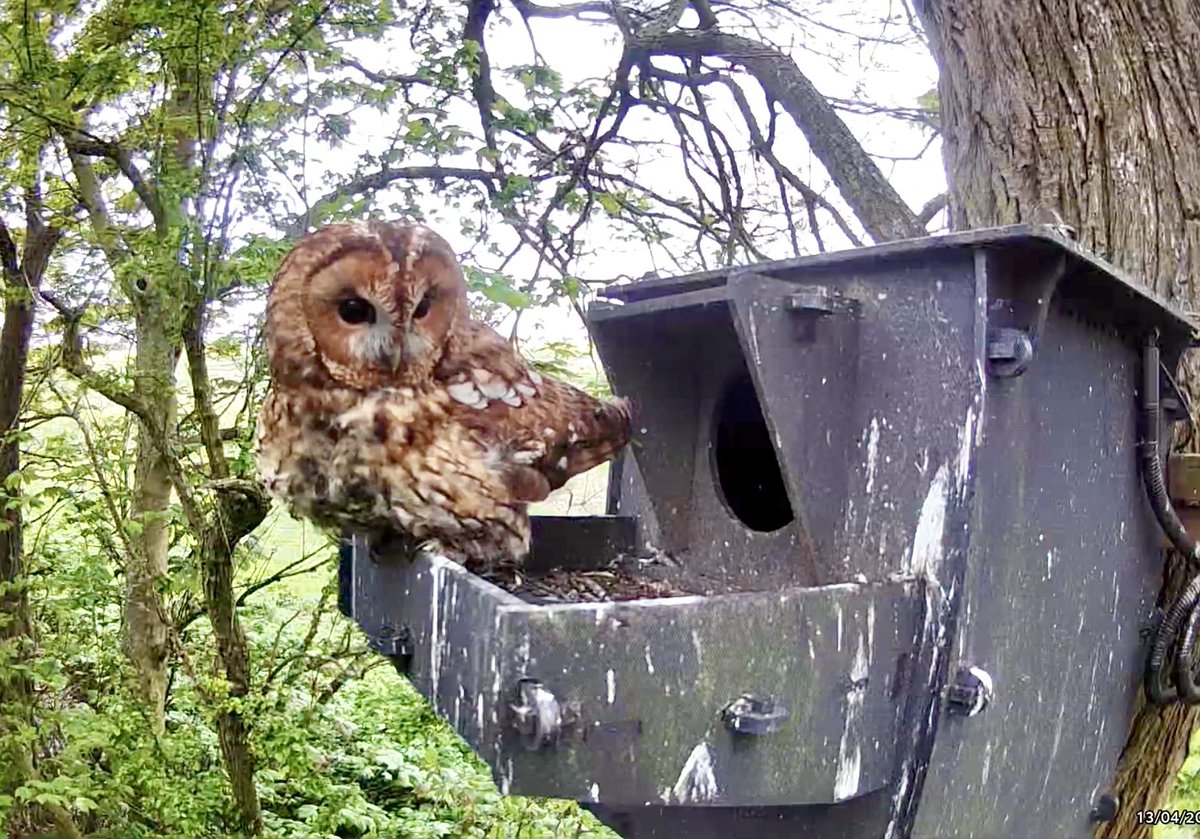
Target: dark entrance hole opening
x=748, y=478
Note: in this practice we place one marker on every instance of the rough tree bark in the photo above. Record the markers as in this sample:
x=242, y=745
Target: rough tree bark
x=1089, y=109
x=22, y=271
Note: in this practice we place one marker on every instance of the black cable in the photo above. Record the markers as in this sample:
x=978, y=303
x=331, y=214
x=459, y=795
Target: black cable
x=1185, y=676
x=1152, y=471
x=1184, y=606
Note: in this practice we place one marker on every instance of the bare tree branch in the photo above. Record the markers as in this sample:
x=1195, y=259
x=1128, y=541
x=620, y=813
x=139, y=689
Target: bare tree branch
x=383, y=178
x=862, y=184
x=601, y=7
x=82, y=143
x=404, y=79
x=932, y=207
x=809, y=195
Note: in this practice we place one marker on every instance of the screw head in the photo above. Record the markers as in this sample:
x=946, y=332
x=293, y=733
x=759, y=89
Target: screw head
x=970, y=692
x=1105, y=809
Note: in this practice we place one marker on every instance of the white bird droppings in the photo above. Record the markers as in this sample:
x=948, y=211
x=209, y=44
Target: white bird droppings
x=697, y=781
x=926, y=556
x=849, y=770
x=872, y=454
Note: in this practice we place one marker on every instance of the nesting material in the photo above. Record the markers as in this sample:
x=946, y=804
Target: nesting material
x=626, y=578
x=586, y=586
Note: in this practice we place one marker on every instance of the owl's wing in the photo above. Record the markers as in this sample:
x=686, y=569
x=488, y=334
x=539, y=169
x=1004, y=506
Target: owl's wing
x=548, y=431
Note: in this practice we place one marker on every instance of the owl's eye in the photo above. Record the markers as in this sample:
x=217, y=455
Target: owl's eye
x=423, y=307
x=355, y=310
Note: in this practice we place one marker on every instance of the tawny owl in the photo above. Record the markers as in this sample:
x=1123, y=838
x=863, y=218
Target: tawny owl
x=392, y=411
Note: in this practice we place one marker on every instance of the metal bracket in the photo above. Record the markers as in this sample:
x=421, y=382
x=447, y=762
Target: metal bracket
x=1021, y=294
x=811, y=303
x=754, y=715
x=1009, y=351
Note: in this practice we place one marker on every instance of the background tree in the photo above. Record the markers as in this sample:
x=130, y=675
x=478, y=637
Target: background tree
x=23, y=269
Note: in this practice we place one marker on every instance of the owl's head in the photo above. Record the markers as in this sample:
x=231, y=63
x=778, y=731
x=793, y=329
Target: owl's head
x=366, y=304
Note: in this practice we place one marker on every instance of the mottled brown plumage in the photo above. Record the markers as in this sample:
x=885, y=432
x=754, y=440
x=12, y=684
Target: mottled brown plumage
x=391, y=410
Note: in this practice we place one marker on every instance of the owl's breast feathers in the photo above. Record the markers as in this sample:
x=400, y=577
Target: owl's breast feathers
x=390, y=459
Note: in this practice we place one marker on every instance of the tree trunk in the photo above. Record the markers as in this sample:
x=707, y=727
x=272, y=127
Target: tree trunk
x=1088, y=109
x=15, y=688
x=146, y=623
x=238, y=511
x=217, y=563
x=14, y=350
x=22, y=279
x=157, y=307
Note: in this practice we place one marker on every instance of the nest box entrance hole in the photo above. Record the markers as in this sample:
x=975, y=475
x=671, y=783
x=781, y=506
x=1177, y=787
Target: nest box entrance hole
x=745, y=468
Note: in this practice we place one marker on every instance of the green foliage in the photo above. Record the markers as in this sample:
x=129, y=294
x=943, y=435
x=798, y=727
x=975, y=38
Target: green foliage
x=497, y=288
x=346, y=748
x=1186, y=796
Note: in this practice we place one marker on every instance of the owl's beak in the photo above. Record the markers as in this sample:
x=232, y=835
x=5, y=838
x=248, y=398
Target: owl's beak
x=414, y=347
x=395, y=357
x=385, y=347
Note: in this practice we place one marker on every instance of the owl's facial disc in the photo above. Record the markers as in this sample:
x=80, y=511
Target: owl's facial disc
x=380, y=302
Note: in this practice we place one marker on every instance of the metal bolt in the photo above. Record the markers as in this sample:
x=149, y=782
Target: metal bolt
x=970, y=692
x=1105, y=809
x=811, y=303
x=391, y=641
x=1009, y=351
x=755, y=715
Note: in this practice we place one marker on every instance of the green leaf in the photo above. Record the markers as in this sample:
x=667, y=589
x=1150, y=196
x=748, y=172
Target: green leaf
x=930, y=101
x=609, y=202
x=508, y=296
